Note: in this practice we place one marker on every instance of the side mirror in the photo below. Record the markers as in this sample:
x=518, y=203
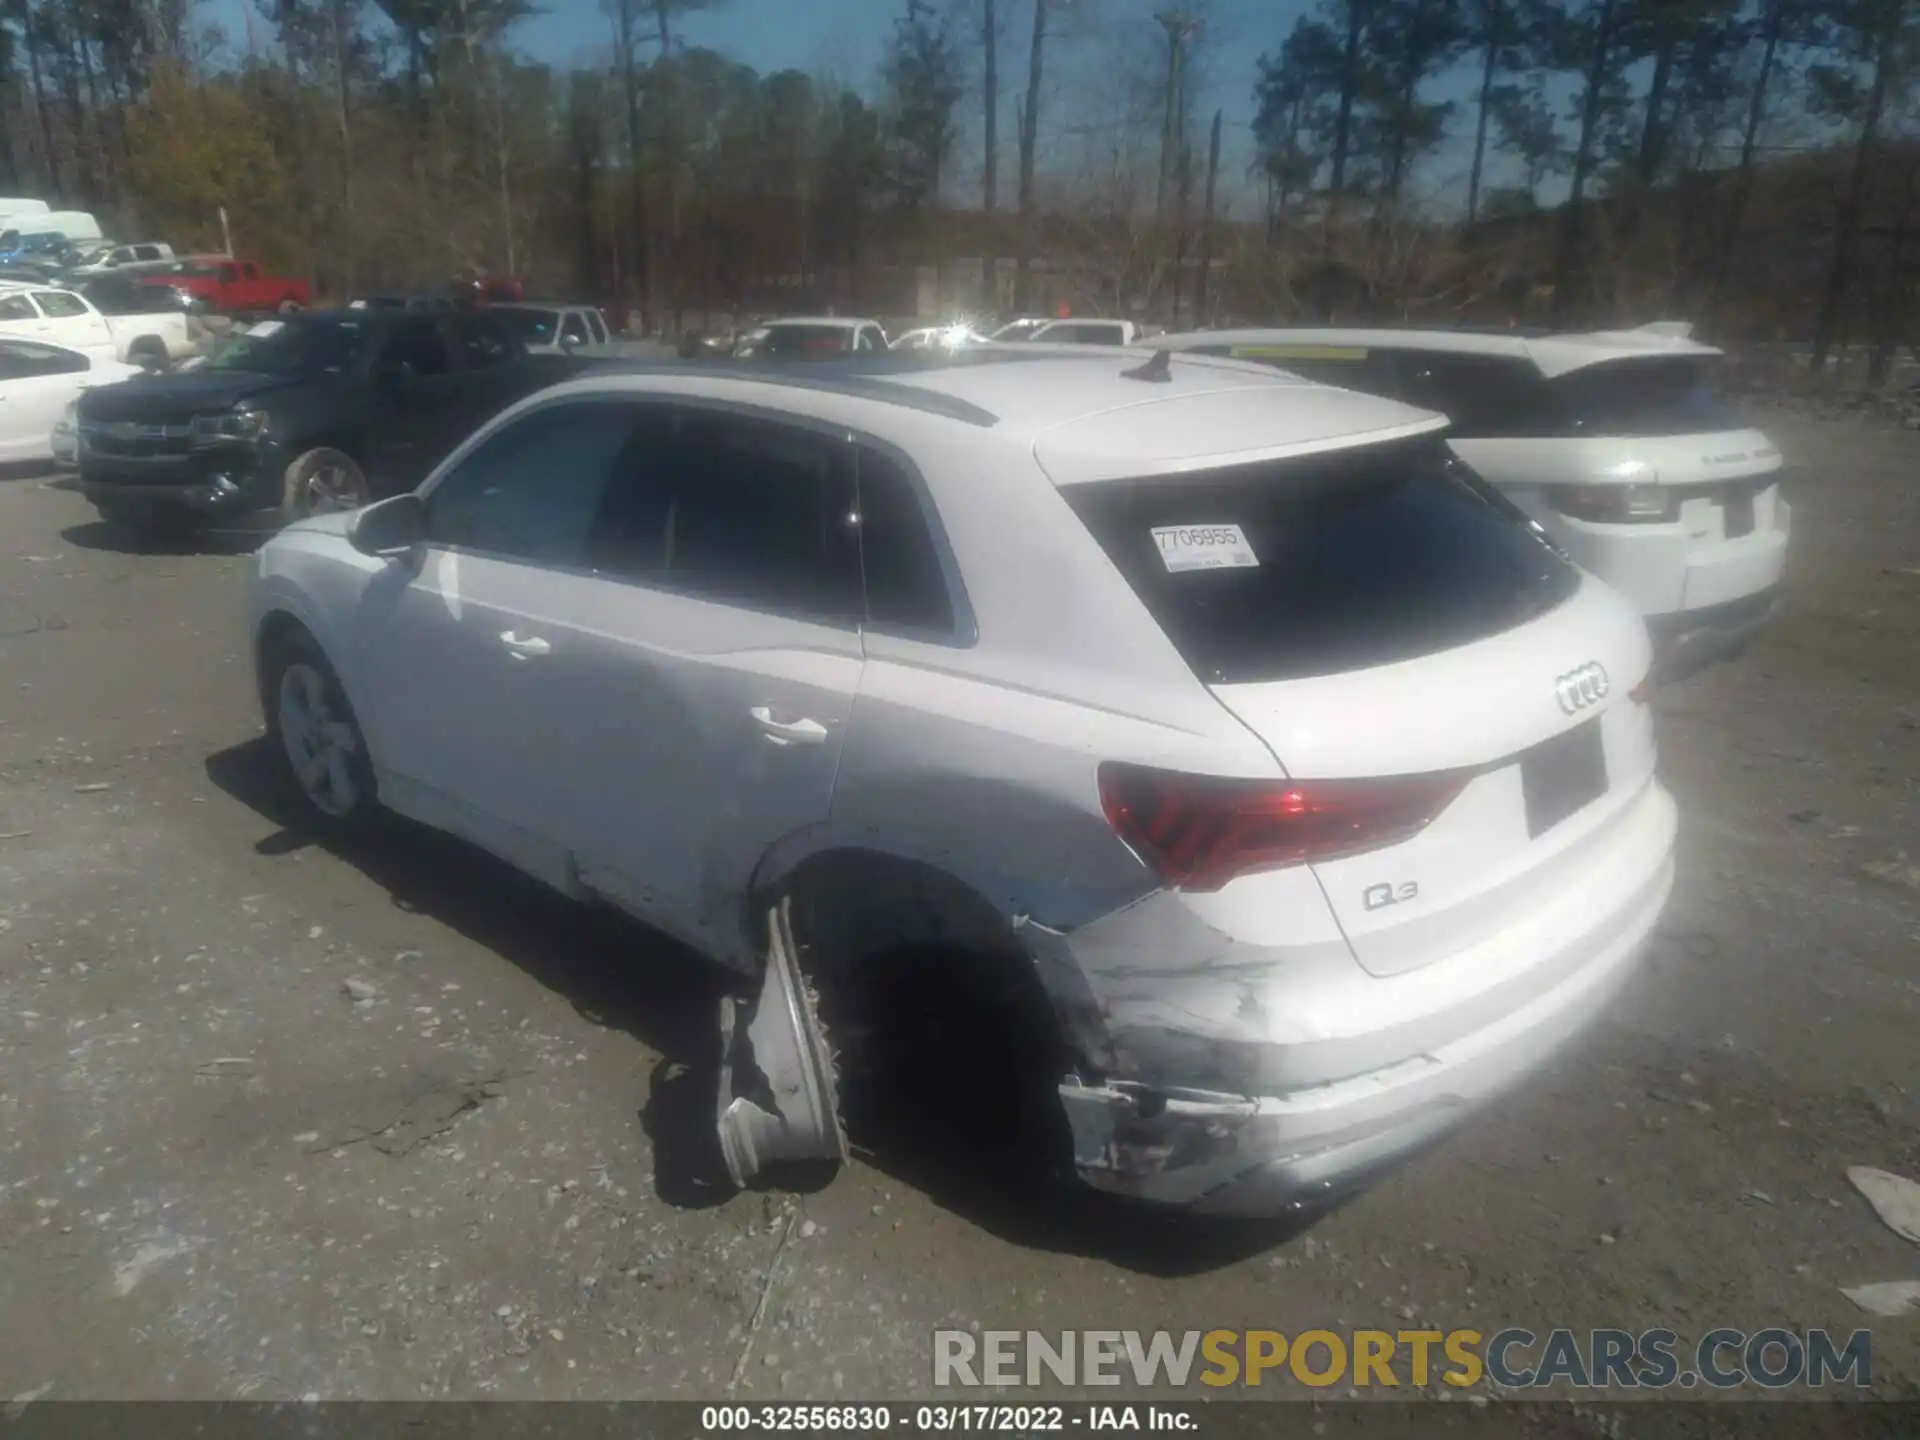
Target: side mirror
x=569, y=343
x=388, y=527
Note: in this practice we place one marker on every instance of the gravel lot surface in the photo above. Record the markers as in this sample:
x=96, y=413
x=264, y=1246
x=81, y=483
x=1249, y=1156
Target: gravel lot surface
x=277, y=1121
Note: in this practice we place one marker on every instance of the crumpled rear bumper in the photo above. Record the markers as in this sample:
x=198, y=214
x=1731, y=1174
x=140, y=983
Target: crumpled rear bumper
x=1258, y=1155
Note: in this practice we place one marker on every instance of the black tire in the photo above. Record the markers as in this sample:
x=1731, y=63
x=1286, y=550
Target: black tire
x=319, y=749
x=323, y=480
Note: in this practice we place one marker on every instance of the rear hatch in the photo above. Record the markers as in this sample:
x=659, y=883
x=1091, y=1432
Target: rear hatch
x=1663, y=447
x=1448, y=697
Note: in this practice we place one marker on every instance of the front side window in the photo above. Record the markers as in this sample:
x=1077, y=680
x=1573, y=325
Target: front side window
x=530, y=491
x=1360, y=558
x=574, y=331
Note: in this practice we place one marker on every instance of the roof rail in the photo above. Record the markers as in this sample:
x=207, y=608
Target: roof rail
x=811, y=376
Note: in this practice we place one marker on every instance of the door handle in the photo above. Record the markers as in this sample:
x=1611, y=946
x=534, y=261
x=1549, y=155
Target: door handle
x=525, y=649
x=800, y=731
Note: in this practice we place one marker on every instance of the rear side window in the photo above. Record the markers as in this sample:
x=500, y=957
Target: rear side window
x=1658, y=395
x=742, y=511
x=905, y=585
x=1362, y=558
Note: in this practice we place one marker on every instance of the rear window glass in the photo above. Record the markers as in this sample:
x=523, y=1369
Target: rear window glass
x=1363, y=558
x=1669, y=395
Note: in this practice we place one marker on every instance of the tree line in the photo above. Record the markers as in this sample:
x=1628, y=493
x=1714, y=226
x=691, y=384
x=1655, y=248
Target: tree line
x=1751, y=163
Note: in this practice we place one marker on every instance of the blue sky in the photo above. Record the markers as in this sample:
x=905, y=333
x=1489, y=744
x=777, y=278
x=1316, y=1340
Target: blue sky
x=846, y=37
x=804, y=34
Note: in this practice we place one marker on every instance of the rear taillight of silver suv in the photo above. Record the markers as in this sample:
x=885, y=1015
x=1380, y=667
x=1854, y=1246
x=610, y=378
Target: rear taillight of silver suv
x=1200, y=831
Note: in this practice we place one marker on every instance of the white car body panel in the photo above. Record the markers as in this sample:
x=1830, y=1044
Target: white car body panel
x=85, y=329
x=1663, y=568
x=174, y=331
x=1294, y=1035
x=33, y=409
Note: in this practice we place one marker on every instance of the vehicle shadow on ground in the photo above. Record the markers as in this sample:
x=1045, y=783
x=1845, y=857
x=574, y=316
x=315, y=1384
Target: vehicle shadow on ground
x=231, y=539
x=615, y=972
x=35, y=470
x=923, y=1119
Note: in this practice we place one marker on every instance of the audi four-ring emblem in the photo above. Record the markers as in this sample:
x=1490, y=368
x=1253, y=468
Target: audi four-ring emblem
x=1581, y=687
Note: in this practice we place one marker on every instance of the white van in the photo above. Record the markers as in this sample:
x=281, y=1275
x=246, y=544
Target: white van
x=1613, y=441
x=34, y=232
x=12, y=205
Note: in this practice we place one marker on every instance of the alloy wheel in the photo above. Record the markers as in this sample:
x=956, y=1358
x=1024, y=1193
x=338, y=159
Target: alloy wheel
x=320, y=744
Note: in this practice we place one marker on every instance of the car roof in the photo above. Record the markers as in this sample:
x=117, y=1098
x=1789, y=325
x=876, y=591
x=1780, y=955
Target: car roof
x=1553, y=353
x=1075, y=407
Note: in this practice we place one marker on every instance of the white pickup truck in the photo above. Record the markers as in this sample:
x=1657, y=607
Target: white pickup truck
x=151, y=338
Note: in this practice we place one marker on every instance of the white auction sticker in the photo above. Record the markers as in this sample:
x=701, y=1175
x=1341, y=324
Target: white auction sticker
x=1203, y=547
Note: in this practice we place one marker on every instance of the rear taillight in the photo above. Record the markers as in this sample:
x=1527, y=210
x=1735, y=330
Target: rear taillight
x=1200, y=831
x=1617, y=504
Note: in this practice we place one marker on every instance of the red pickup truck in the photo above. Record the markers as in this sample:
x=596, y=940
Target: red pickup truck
x=230, y=286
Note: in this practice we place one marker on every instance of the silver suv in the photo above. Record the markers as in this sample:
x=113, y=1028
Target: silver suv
x=1271, y=764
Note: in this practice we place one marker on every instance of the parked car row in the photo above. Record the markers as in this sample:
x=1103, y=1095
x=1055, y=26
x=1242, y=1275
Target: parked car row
x=309, y=412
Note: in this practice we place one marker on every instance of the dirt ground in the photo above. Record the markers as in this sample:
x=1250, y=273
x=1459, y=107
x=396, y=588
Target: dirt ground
x=279, y=1122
